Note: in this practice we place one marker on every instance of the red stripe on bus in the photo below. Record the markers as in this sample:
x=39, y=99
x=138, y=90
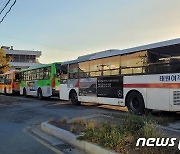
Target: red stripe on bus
x=152, y=85
x=77, y=84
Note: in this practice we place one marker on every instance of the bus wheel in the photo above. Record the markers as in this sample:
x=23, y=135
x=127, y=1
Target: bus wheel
x=74, y=98
x=39, y=94
x=135, y=103
x=25, y=93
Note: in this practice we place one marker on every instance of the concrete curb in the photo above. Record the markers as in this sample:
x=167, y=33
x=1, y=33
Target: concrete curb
x=71, y=138
x=168, y=128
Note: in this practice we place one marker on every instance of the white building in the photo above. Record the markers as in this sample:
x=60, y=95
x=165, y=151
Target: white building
x=21, y=59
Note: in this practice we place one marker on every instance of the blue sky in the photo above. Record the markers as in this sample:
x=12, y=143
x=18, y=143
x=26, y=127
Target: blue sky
x=66, y=29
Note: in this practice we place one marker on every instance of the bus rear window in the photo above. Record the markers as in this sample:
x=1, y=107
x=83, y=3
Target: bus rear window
x=17, y=77
x=58, y=69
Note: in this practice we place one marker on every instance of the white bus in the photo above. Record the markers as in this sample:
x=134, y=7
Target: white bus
x=145, y=77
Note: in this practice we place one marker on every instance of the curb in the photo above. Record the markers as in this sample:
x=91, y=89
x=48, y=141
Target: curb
x=168, y=128
x=71, y=138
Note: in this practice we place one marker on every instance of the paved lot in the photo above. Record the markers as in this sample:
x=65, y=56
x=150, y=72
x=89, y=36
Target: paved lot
x=17, y=114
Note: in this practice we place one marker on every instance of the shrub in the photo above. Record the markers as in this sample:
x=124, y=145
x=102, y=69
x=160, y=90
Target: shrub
x=73, y=129
x=80, y=121
x=64, y=119
x=122, y=137
x=52, y=119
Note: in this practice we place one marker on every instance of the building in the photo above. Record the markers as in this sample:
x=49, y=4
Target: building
x=21, y=59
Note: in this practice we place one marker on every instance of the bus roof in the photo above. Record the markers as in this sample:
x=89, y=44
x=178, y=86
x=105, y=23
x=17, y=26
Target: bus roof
x=11, y=71
x=40, y=66
x=114, y=52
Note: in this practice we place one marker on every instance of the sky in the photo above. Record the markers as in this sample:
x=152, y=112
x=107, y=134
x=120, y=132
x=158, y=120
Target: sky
x=66, y=29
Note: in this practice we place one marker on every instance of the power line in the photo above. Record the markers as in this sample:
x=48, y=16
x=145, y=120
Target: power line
x=8, y=11
x=5, y=6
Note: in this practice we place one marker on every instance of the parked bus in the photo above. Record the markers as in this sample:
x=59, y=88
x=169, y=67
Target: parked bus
x=41, y=81
x=9, y=82
x=145, y=77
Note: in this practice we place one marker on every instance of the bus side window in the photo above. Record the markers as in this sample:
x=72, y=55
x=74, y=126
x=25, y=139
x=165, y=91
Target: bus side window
x=46, y=72
x=41, y=73
x=84, y=69
x=7, y=80
x=64, y=74
x=73, y=71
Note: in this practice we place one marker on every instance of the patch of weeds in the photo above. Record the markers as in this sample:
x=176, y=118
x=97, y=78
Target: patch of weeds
x=80, y=121
x=74, y=129
x=64, y=119
x=122, y=137
x=161, y=118
x=51, y=120
x=90, y=125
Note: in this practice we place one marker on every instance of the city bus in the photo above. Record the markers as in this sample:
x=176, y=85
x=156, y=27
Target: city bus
x=141, y=78
x=10, y=82
x=41, y=81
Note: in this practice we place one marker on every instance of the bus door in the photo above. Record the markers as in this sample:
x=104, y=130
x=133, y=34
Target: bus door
x=7, y=84
x=56, y=80
x=1, y=83
x=64, y=93
x=16, y=82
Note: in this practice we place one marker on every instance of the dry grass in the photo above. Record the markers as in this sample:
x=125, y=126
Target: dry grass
x=52, y=119
x=80, y=121
x=91, y=125
x=64, y=119
x=122, y=137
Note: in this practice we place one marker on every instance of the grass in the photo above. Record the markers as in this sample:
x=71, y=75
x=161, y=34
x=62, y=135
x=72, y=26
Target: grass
x=64, y=119
x=80, y=121
x=160, y=118
x=122, y=137
x=52, y=119
x=73, y=129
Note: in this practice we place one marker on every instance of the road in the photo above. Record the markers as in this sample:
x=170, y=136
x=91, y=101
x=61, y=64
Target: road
x=17, y=114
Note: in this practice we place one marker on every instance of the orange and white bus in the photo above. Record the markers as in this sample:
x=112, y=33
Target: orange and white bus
x=11, y=82
x=144, y=77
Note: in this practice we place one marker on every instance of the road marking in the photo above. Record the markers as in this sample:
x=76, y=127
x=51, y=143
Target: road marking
x=42, y=142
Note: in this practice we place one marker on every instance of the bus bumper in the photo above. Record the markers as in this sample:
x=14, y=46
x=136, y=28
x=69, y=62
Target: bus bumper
x=55, y=92
x=17, y=92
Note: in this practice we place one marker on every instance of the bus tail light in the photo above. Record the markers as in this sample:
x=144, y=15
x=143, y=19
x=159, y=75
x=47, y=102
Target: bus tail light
x=13, y=85
x=53, y=82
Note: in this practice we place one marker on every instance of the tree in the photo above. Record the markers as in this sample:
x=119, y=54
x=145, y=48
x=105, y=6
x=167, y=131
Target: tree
x=4, y=61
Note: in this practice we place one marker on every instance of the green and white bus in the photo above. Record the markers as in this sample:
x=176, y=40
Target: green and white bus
x=41, y=81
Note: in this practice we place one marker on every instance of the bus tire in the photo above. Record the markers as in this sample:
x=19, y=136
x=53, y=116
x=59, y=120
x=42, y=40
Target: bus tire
x=74, y=98
x=39, y=94
x=25, y=93
x=135, y=103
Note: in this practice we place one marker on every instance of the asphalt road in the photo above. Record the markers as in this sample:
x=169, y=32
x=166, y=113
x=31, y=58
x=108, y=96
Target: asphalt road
x=18, y=114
